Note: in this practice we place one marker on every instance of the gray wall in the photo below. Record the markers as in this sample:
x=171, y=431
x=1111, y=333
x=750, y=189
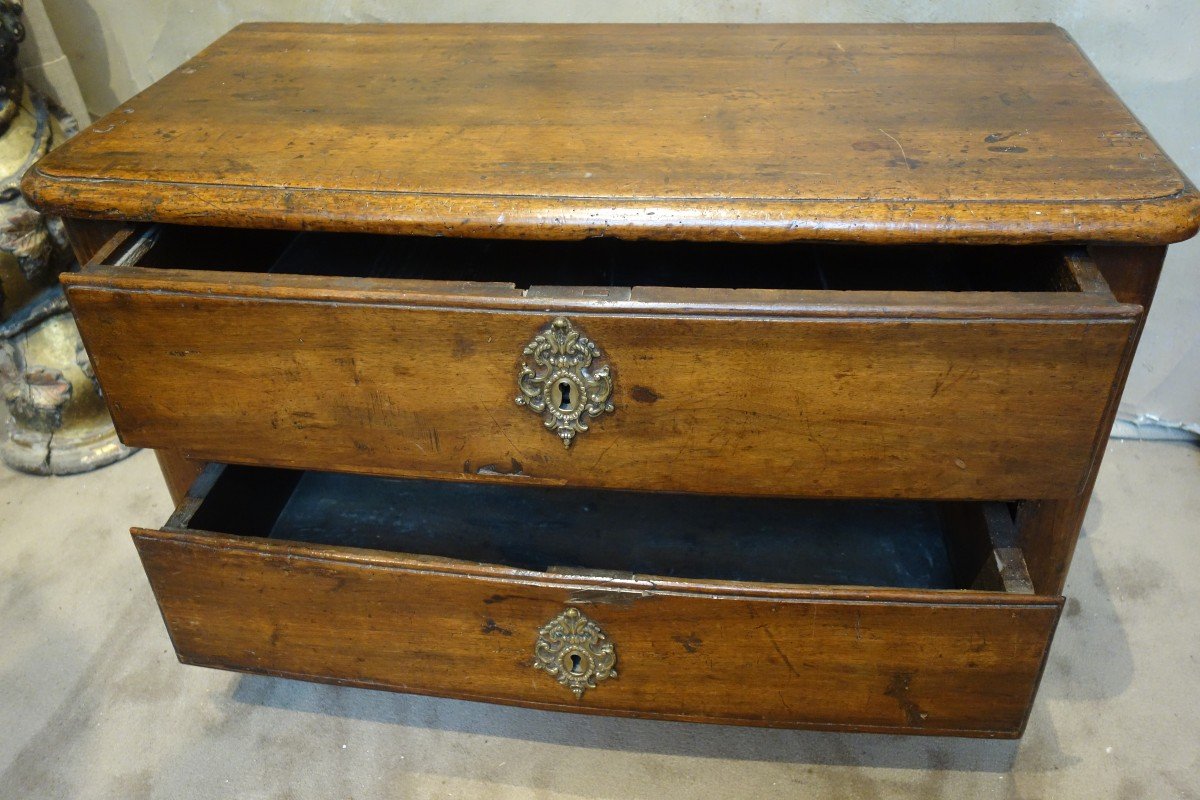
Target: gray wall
x=1148, y=50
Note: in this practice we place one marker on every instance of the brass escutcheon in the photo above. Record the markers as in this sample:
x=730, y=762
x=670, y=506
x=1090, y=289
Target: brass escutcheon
x=561, y=384
x=574, y=650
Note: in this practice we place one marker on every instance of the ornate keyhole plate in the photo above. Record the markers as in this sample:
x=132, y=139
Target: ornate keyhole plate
x=559, y=381
x=574, y=650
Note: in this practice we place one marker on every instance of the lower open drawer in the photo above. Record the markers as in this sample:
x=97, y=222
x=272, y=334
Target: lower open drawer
x=824, y=614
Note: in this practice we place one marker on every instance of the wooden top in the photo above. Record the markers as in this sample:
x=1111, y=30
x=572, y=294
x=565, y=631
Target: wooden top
x=869, y=133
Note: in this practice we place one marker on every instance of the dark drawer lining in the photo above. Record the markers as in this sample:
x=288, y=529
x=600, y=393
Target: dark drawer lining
x=895, y=544
x=614, y=262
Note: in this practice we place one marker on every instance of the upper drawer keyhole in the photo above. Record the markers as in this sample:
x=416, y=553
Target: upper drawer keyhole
x=560, y=380
x=564, y=395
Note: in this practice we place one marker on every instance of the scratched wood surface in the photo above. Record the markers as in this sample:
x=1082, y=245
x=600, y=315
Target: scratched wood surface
x=1049, y=529
x=916, y=133
x=844, y=397
x=871, y=134
x=900, y=660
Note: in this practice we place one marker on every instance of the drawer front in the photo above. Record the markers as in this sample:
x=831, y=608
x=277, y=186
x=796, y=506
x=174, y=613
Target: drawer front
x=964, y=663
x=817, y=399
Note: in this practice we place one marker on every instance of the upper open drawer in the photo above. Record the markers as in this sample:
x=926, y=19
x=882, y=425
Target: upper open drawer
x=950, y=372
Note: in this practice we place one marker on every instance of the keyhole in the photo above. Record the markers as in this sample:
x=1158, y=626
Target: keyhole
x=564, y=393
x=576, y=664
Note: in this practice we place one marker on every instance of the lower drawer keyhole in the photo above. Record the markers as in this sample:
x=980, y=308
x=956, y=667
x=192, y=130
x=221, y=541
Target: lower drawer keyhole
x=576, y=664
x=564, y=391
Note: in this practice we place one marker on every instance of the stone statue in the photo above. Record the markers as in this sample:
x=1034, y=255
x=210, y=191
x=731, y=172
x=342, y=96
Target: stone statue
x=58, y=423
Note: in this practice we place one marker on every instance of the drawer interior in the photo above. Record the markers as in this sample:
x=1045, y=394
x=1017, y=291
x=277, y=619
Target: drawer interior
x=521, y=264
x=898, y=544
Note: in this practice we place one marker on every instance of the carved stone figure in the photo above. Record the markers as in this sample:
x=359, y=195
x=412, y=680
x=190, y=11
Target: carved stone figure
x=57, y=422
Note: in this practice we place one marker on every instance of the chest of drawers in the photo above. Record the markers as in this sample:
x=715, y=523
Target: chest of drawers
x=745, y=374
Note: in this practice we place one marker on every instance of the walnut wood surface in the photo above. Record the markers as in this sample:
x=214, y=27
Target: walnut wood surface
x=88, y=237
x=92, y=239
x=816, y=400
x=870, y=133
x=920, y=661
x=1049, y=529
x=178, y=472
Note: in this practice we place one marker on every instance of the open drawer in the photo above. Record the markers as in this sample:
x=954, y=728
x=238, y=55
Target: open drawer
x=807, y=613
x=836, y=371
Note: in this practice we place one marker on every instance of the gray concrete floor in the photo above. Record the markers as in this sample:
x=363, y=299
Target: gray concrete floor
x=94, y=705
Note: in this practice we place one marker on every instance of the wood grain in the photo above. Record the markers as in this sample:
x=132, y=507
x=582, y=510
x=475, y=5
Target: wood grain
x=178, y=472
x=1049, y=529
x=89, y=237
x=907, y=134
x=868, y=133
x=917, y=661
x=816, y=400
x=92, y=240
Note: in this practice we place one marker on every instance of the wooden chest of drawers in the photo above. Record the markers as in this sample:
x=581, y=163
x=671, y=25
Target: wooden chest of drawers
x=750, y=374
